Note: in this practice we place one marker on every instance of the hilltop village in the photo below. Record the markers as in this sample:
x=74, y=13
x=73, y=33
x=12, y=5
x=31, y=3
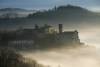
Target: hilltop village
x=39, y=37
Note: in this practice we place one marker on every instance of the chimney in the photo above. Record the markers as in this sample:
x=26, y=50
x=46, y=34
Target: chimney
x=60, y=28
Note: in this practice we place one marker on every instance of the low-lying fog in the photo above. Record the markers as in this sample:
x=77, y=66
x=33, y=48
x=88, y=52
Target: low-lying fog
x=81, y=56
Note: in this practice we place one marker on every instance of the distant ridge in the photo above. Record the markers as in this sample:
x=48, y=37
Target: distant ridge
x=12, y=9
x=15, y=9
x=62, y=12
x=15, y=12
x=69, y=15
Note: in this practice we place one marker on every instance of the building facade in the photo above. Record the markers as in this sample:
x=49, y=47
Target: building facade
x=68, y=37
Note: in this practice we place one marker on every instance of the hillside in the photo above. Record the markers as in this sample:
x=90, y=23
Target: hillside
x=65, y=13
x=15, y=12
x=12, y=58
x=70, y=16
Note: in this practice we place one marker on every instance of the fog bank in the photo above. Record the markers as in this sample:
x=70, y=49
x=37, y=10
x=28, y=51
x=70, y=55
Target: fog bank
x=83, y=56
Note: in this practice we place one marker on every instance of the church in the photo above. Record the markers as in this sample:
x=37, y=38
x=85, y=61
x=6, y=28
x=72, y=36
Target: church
x=42, y=36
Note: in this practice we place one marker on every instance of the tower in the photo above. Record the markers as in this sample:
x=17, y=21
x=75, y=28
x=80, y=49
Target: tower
x=60, y=28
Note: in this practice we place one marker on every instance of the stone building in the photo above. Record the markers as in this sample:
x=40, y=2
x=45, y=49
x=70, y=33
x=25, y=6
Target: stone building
x=44, y=36
x=29, y=38
x=67, y=37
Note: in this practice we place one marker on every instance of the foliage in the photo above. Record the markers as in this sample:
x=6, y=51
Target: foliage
x=10, y=58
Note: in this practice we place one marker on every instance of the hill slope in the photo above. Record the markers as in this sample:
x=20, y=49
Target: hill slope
x=70, y=16
x=15, y=12
x=64, y=12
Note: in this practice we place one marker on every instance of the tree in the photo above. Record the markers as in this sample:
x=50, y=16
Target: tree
x=9, y=58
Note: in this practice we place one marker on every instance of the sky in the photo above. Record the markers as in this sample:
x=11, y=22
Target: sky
x=46, y=4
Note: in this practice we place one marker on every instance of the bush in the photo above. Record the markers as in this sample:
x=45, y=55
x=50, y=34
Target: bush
x=10, y=58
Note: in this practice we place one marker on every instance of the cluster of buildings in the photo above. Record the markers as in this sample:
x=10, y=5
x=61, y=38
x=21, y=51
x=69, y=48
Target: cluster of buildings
x=42, y=37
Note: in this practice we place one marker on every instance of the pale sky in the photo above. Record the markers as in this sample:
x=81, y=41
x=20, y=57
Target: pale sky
x=46, y=4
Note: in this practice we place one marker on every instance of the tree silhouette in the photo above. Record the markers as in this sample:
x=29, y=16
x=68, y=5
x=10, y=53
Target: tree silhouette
x=10, y=58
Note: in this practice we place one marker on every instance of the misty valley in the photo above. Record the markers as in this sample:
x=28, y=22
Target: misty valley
x=64, y=36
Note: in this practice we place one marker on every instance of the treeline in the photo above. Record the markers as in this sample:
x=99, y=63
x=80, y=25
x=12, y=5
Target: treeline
x=10, y=58
x=62, y=12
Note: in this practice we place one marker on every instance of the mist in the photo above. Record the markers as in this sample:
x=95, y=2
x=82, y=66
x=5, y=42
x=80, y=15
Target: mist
x=79, y=56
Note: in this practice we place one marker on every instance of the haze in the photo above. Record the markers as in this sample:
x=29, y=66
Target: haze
x=47, y=4
x=89, y=33
x=67, y=57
